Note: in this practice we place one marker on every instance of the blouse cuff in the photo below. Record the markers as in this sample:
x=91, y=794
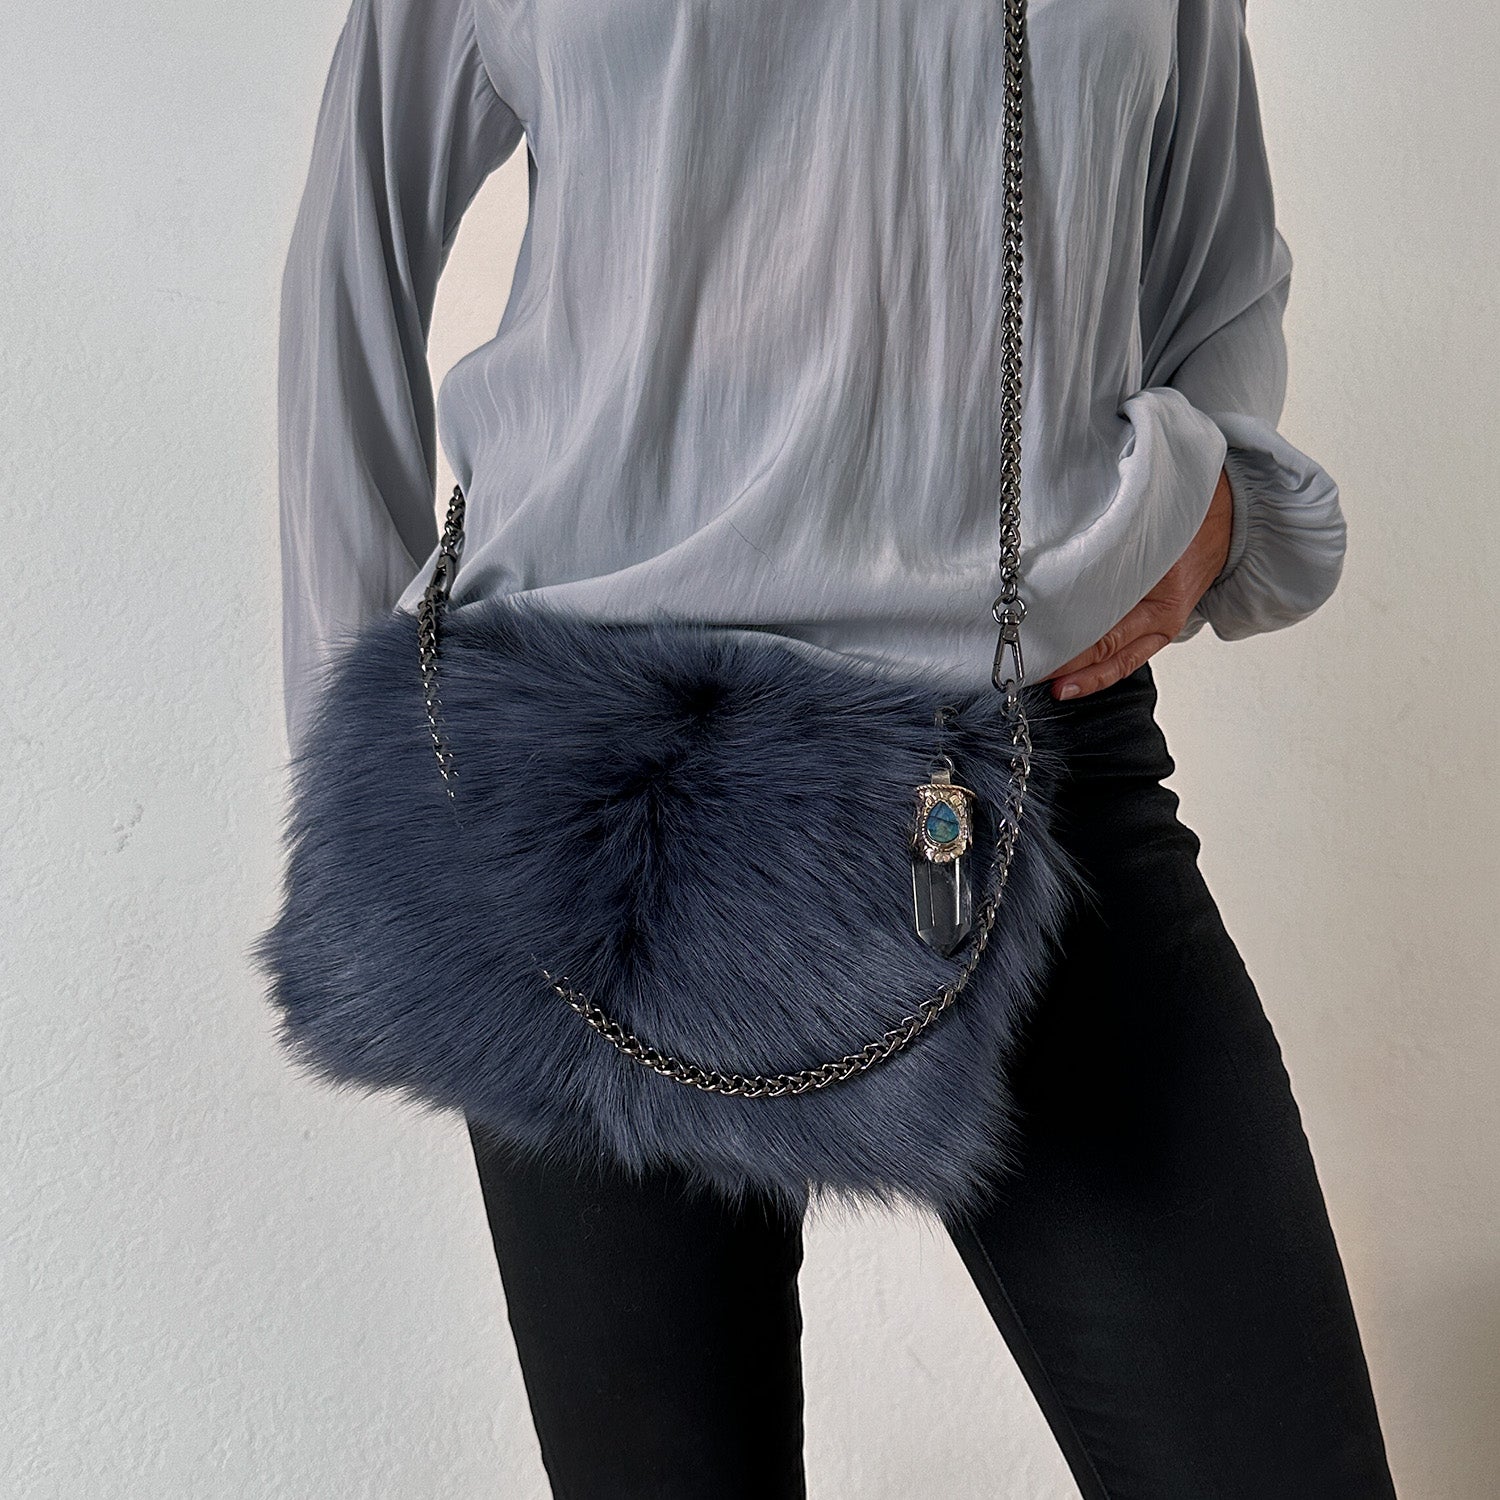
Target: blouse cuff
x=1287, y=537
x=1240, y=468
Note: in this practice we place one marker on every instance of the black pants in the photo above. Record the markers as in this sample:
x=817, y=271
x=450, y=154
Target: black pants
x=1162, y=1267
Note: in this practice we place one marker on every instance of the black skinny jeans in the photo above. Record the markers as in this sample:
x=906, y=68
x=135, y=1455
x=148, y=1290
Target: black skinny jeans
x=1162, y=1267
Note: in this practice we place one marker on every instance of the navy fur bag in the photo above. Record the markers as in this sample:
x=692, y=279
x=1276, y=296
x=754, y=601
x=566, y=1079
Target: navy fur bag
x=661, y=904
x=705, y=831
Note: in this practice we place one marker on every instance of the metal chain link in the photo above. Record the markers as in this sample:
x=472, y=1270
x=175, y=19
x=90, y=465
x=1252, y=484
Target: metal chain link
x=1008, y=609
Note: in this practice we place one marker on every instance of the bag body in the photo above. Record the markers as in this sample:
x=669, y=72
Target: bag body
x=666, y=842
x=708, y=833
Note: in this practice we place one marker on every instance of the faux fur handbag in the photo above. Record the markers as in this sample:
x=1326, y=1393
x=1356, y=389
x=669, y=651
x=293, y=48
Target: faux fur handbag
x=667, y=893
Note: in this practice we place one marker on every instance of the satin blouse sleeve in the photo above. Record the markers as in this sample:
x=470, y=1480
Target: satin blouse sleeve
x=1214, y=286
x=409, y=127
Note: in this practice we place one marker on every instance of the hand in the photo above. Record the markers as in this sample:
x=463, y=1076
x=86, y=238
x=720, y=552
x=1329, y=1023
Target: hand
x=1157, y=619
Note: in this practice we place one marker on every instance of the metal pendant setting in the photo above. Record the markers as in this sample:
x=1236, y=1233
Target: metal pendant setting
x=943, y=829
x=945, y=818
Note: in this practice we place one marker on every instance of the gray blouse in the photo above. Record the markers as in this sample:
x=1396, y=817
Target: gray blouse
x=748, y=367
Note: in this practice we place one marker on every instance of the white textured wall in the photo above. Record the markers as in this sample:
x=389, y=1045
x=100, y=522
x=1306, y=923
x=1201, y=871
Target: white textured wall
x=219, y=1281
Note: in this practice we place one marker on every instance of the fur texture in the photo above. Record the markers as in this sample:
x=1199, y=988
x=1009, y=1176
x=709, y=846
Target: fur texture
x=705, y=832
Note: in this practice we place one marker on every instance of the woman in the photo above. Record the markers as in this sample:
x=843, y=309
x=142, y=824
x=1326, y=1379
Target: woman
x=748, y=372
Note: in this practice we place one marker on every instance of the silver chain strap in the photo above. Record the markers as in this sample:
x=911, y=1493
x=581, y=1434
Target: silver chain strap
x=1008, y=609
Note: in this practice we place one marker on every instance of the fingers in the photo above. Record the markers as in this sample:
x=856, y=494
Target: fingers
x=1148, y=616
x=1127, y=659
x=1158, y=619
x=1118, y=653
x=1101, y=651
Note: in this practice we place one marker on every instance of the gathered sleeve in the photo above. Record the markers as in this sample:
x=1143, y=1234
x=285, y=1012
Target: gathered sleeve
x=1215, y=277
x=409, y=127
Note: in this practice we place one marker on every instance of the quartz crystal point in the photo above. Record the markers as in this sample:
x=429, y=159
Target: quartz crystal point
x=943, y=902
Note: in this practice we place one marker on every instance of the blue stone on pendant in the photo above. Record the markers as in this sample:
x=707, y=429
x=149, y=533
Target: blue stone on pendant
x=942, y=824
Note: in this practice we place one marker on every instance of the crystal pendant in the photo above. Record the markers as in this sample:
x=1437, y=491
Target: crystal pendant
x=942, y=898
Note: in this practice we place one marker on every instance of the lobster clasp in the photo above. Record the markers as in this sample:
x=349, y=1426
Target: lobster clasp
x=1010, y=639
